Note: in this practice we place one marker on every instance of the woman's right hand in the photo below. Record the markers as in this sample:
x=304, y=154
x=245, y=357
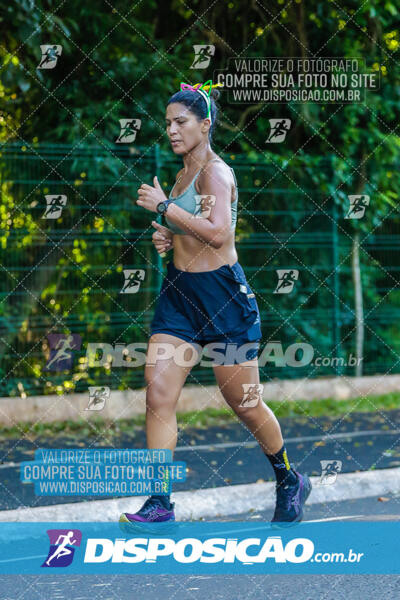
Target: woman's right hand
x=162, y=238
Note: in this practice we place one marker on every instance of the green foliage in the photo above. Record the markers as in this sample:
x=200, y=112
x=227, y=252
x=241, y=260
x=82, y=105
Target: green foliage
x=120, y=60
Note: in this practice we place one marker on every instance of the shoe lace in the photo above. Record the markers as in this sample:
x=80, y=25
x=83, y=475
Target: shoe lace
x=150, y=507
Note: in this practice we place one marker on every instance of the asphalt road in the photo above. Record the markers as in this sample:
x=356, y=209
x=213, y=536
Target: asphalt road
x=216, y=456
x=176, y=587
x=226, y=587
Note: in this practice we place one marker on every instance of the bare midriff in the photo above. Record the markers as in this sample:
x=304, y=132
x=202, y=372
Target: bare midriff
x=191, y=254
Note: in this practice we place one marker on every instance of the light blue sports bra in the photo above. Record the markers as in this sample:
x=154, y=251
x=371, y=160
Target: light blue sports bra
x=187, y=201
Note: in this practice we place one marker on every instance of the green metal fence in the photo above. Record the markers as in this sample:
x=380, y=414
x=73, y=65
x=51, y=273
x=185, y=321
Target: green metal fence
x=65, y=275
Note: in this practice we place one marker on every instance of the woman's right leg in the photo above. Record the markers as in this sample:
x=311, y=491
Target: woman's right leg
x=165, y=378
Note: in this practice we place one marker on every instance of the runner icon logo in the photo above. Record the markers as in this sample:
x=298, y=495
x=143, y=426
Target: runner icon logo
x=62, y=547
x=133, y=279
x=252, y=393
x=279, y=129
x=286, y=280
x=50, y=55
x=55, y=205
x=357, y=206
x=330, y=469
x=202, y=55
x=129, y=129
x=97, y=397
x=203, y=206
x=61, y=351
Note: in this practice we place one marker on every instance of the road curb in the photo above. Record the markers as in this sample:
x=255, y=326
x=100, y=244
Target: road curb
x=215, y=502
x=126, y=404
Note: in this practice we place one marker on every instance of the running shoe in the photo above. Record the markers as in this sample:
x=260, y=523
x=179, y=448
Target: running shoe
x=152, y=517
x=290, y=500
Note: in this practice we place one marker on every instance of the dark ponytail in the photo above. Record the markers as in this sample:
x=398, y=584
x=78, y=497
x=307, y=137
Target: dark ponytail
x=198, y=106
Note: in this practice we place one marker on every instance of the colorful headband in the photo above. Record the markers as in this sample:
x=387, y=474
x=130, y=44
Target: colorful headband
x=201, y=87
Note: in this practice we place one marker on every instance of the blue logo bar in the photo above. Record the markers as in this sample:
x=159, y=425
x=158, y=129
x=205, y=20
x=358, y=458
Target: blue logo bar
x=200, y=548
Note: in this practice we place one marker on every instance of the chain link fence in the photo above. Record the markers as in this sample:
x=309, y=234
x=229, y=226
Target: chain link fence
x=70, y=227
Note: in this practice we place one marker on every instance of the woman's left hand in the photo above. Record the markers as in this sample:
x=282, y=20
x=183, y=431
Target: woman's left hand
x=150, y=197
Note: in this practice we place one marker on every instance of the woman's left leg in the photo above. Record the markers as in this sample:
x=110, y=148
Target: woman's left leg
x=292, y=488
x=259, y=419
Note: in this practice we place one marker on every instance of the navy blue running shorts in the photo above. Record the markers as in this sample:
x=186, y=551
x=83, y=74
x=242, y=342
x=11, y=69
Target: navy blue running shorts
x=210, y=306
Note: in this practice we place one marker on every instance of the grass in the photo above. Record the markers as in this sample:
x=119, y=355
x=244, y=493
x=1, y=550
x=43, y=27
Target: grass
x=203, y=419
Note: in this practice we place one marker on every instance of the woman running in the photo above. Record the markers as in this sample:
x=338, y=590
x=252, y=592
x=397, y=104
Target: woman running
x=205, y=298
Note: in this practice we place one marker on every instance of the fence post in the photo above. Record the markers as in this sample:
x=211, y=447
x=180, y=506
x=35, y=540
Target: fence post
x=336, y=290
x=158, y=164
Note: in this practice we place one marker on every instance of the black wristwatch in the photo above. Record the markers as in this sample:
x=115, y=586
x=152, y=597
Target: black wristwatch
x=162, y=207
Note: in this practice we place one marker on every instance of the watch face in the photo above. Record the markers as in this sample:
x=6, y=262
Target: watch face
x=161, y=208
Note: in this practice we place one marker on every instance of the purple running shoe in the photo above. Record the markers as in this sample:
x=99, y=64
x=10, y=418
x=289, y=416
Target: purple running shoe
x=290, y=500
x=152, y=517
